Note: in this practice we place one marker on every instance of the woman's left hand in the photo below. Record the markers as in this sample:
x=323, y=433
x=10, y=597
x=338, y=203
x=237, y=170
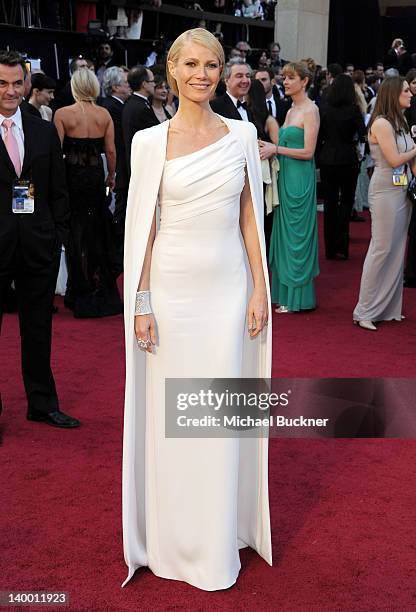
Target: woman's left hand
x=257, y=312
x=110, y=181
x=266, y=149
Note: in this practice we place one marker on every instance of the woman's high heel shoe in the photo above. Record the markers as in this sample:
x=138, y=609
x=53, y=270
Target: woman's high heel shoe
x=282, y=310
x=366, y=325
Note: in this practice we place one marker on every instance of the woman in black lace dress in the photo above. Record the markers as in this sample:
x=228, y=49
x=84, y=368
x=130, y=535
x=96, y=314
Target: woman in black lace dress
x=86, y=131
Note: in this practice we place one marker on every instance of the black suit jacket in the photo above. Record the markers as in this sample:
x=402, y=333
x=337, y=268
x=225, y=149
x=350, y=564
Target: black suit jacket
x=39, y=235
x=223, y=105
x=136, y=115
x=282, y=106
x=26, y=107
x=115, y=108
x=391, y=60
x=338, y=133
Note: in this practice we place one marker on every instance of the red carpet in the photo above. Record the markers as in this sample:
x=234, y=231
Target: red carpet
x=343, y=511
x=324, y=342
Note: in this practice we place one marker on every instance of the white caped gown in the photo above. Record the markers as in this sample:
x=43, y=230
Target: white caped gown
x=189, y=505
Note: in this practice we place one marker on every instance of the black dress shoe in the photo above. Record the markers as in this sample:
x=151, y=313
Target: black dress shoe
x=56, y=418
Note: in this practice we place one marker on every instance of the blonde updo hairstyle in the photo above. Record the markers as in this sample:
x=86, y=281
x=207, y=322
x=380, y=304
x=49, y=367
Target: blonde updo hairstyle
x=199, y=36
x=85, y=86
x=301, y=69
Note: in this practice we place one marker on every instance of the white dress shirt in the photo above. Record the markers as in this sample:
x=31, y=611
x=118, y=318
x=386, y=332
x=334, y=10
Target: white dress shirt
x=119, y=99
x=17, y=130
x=242, y=111
x=272, y=100
x=139, y=95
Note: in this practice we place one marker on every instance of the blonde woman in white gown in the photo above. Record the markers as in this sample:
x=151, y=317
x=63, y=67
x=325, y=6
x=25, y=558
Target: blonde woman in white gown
x=189, y=505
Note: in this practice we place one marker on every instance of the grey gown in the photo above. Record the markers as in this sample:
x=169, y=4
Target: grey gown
x=381, y=290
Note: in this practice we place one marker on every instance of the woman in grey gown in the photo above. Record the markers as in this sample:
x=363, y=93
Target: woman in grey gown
x=394, y=152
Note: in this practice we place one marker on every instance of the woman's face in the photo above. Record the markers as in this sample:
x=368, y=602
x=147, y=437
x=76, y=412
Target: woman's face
x=406, y=96
x=293, y=84
x=197, y=72
x=161, y=92
x=412, y=85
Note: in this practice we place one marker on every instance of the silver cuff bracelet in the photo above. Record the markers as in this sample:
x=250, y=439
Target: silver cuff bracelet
x=143, y=303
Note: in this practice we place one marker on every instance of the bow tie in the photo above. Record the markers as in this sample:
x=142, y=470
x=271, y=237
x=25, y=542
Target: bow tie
x=241, y=104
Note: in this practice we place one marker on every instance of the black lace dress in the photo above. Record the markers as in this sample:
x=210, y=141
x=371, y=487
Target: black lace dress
x=91, y=290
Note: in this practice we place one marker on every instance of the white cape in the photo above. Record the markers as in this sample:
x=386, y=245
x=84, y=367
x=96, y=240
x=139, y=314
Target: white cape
x=147, y=163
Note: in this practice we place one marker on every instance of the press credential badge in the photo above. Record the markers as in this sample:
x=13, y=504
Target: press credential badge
x=23, y=201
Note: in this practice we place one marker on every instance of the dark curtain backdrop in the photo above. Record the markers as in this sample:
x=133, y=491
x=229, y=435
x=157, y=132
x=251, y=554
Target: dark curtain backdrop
x=400, y=23
x=355, y=33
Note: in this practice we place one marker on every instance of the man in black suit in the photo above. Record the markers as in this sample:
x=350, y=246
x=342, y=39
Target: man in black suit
x=232, y=104
x=277, y=106
x=117, y=91
x=137, y=112
x=34, y=222
x=105, y=60
x=392, y=58
x=275, y=59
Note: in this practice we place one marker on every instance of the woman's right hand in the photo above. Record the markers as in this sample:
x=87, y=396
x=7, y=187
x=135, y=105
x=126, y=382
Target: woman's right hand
x=145, y=330
x=266, y=149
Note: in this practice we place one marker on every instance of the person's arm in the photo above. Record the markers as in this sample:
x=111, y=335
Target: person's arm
x=59, y=124
x=110, y=151
x=257, y=310
x=145, y=324
x=383, y=132
x=311, y=127
x=268, y=149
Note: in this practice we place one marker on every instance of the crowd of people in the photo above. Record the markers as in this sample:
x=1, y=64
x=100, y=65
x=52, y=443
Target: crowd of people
x=203, y=170
x=305, y=116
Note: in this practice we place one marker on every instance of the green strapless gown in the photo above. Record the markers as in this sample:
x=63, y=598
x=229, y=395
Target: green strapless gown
x=294, y=241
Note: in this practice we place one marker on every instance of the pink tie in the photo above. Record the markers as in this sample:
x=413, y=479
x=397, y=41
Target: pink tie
x=11, y=145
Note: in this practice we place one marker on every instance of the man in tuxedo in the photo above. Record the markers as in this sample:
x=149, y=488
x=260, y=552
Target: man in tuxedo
x=117, y=91
x=34, y=213
x=137, y=113
x=232, y=104
x=277, y=106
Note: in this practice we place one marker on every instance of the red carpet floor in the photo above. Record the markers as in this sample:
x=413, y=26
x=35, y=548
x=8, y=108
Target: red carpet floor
x=343, y=511
x=325, y=343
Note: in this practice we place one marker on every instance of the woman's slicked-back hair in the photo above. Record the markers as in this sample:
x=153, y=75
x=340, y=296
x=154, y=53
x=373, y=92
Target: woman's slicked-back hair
x=301, y=69
x=197, y=35
x=387, y=104
x=85, y=86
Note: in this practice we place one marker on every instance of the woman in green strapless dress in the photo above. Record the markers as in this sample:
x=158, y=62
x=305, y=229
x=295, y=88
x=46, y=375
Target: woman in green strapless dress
x=294, y=242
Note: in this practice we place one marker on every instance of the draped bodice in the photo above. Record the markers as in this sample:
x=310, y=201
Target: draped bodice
x=202, y=181
x=84, y=152
x=291, y=136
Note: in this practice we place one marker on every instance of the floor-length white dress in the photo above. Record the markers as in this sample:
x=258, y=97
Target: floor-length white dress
x=203, y=498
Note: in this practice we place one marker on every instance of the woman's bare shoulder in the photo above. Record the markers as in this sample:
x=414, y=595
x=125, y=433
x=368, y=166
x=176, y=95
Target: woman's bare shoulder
x=64, y=111
x=311, y=109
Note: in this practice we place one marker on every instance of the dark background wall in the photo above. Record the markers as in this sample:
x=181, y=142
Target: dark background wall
x=359, y=34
